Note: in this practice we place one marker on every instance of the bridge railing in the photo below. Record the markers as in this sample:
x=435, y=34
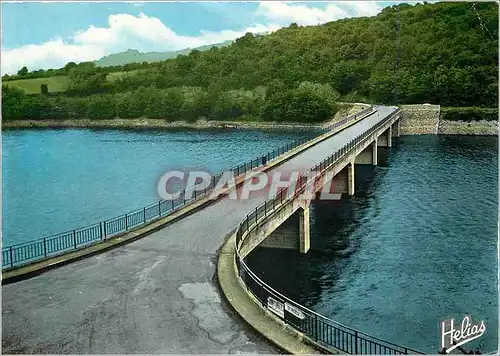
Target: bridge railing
x=322, y=330
x=50, y=246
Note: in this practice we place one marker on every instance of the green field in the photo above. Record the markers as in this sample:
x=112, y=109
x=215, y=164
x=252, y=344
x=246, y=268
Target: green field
x=115, y=75
x=32, y=86
x=57, y=83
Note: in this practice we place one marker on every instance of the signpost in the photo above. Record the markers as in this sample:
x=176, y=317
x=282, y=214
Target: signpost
x=276, y=307
x=294, y=311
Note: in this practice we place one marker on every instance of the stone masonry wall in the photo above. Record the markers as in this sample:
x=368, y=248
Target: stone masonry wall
x=447, y=127
x=419, y=119
x=424, y=120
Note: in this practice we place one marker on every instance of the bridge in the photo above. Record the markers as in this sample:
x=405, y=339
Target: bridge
x=157, y=294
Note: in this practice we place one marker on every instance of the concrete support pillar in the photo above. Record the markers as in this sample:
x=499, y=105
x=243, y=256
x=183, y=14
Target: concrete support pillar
x=304, y=231
x=389, y=136
x=396, y=127
x=374, y=153
x=350, y=178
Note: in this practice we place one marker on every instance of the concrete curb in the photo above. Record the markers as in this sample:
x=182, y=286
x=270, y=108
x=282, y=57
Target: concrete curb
x=35, y=268
x=243, y=304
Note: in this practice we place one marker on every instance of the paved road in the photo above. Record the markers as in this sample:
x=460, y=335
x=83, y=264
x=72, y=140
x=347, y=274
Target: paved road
x=155, y=295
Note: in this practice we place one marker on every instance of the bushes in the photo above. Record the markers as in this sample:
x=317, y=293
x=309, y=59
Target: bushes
x=469, y=114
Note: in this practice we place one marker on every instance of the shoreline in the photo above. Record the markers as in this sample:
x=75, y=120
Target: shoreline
x=444, y=127
x=200, y=124
x=153, y=124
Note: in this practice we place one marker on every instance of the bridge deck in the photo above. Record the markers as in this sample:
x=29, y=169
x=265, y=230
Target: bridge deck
x=155, y=295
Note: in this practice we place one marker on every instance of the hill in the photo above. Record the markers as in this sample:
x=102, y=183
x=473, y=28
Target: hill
x=134, y=56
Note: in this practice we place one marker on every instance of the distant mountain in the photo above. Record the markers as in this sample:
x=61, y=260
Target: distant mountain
x=134, y=56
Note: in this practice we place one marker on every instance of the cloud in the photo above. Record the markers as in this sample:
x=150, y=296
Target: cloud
x=286, y=13
x=52, y=54
x=124, y=31
x=147, y=33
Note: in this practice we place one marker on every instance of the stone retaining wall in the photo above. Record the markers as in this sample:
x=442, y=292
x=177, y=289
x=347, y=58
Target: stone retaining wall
x=419, y=119
x=447, y=127
x=424, y=119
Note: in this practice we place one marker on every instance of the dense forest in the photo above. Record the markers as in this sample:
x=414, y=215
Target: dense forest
x=444, y=53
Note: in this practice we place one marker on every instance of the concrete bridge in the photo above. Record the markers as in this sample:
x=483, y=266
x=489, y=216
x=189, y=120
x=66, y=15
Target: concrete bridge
x=338, y=173
x=159, y=294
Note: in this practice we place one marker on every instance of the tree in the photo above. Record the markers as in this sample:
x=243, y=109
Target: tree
x=70, y=65
x=44, y=89
x=23, y=71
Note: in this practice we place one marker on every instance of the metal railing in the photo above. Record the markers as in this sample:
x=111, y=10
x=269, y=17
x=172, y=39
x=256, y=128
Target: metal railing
x=39, y=249
x=322, y=330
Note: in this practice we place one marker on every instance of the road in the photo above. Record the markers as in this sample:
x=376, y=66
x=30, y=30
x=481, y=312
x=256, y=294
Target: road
x=155, y=295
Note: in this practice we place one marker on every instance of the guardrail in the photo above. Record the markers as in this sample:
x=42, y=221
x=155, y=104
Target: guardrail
x=39, y=249
x=320, y=329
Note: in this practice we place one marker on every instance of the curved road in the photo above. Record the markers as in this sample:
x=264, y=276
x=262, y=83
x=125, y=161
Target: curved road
x=155, y=295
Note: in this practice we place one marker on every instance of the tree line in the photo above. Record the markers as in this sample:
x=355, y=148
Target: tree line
x=308, y=102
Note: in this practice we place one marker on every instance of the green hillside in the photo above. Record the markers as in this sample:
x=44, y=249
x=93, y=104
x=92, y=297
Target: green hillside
x=443, y=53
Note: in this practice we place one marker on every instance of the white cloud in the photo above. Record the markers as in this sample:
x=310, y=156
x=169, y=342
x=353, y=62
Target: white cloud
x=147, y=33
x=124, y=31
x=52, y=54
x=286, y=13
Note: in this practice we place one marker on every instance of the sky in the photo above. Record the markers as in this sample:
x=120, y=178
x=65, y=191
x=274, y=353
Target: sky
x=42, y=35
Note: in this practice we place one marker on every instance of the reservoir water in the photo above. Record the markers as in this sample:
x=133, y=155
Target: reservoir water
x=58, y=180
x=417, y=244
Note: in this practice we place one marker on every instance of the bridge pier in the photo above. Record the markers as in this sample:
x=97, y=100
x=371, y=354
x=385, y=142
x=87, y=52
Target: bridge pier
x=368, y=155
x=285, y=236
x=385, y=138
x=396, y=126
x=304, y=230
x=350, y=178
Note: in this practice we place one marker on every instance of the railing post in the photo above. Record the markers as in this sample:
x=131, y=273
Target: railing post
x=256, y=215
x=144, y=214
x=100, y=229
x=316, y=327
x=74, y=238
x=355, y=342
x=159, y=209
x=126, y=221
x=11, y=259
x=172, y=204
x=104, y=228
x=44, y=247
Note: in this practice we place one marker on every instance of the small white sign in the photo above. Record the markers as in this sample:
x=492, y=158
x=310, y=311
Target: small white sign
x=294, y=310
x=276, y=307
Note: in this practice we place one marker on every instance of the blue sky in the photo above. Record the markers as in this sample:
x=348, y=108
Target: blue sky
x=48, y=35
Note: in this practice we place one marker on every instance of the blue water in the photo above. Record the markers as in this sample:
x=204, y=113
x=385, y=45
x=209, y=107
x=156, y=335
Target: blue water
x=57, y=180
x=416, y=245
